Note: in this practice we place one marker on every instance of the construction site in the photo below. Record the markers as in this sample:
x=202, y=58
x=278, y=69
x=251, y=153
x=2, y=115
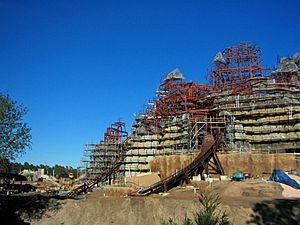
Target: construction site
x=245, y=119
x=245, y=109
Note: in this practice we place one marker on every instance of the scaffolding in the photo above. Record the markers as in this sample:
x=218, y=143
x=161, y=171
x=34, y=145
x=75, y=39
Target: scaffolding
x=100, y=157
x=177, y=97
x=267, y=120
x=236, y=65
x=261, y=109
x=252, y=109
x=170, y=125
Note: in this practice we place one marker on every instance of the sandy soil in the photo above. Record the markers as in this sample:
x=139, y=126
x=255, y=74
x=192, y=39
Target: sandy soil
x=251, y=202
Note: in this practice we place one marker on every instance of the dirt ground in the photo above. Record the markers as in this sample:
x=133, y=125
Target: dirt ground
x=23, y=208
x=249, y=202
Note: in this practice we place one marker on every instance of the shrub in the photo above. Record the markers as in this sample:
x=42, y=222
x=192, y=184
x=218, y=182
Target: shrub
x=207, y=214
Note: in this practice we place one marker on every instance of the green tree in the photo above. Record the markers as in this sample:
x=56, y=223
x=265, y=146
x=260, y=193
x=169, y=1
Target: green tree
x=15, y=135
x=60, y=171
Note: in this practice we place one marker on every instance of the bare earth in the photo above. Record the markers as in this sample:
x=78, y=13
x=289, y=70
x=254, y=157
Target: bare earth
x=251, y=202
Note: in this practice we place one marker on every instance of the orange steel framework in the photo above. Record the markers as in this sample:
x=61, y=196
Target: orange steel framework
x=115, y=134
x=101, y=156
x=177, y=97
x=236, y=65
x=233, y=69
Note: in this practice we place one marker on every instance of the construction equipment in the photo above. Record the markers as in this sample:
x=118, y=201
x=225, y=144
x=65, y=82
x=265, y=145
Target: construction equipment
x=238, y=176
x=71, y=176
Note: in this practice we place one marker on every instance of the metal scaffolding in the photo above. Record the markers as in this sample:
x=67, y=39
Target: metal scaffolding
x=244, y=104
x=99, y=158
x=236, y=65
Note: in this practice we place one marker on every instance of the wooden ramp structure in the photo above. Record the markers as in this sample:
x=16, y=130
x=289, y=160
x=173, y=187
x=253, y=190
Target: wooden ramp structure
x=87, y=186
x=205, y=160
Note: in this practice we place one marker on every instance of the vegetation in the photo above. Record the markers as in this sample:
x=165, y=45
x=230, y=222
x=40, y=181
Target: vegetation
x=207, y=214
x=57, y=170
x=15, y=138
x=15, y=135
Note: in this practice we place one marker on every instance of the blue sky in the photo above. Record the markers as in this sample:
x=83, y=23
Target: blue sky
x=80, y=65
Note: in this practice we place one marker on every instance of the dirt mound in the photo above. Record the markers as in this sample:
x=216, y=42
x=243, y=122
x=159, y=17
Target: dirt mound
x=249, y=188
x=117, y=191
x=290, y=192
x=143, y=180
x=241, y=200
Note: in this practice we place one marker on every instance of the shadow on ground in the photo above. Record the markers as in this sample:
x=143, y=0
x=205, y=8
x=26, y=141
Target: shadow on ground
x=276, y=212
x=17, y=209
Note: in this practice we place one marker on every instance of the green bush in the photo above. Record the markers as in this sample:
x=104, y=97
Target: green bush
x=207, y=214
x=186, y=221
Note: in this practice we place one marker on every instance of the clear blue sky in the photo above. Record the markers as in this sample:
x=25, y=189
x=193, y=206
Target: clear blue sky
x=80, y=65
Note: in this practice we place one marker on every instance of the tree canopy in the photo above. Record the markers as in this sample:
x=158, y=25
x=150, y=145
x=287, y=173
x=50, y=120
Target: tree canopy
x=57, y=170
x=15, y=135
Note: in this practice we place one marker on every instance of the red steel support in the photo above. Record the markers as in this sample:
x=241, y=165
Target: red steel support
x=236, y=65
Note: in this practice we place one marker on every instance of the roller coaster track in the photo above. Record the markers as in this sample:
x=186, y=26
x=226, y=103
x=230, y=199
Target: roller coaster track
x=86, y=186
x=197, y=166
